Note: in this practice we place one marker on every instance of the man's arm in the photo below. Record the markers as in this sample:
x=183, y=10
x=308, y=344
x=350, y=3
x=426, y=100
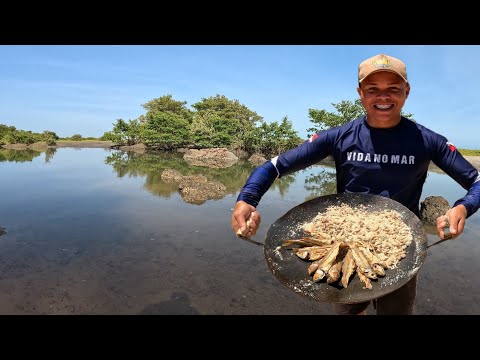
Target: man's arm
x=261, y=179
x=452, y=162
x=471, y=201
x=258, y=183
x=447, y=157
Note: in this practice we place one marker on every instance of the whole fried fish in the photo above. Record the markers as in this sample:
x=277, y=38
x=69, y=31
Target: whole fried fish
x=348, y=268
x=327, y=261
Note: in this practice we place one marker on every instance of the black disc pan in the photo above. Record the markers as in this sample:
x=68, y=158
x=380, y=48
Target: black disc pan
x=292, y=271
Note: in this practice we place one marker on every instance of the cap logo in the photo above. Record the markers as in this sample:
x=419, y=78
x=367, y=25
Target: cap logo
x=381, y=63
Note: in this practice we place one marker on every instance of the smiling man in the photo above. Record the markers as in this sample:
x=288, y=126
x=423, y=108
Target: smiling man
x=381, y=153
x=383, y=89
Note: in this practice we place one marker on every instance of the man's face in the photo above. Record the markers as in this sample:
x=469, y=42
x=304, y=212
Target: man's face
x=383, y=95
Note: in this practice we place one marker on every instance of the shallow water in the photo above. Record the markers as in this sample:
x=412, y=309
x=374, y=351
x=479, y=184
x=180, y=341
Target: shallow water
x=96, y=231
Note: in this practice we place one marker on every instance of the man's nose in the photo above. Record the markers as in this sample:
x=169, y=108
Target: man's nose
x=383, y=94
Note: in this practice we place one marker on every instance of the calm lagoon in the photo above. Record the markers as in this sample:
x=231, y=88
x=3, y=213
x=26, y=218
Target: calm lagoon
x=97, y=231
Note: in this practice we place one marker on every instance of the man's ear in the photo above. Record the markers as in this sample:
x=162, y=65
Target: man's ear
x=407, y=90
x=359, y=90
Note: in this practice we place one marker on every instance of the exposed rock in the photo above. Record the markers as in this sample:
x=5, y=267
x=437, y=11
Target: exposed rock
x=256, y=159
x=38, y=146
x=197, y=189
x=170, y=175
x=433, y=207
x=15, y=146
x=214, y=158
x=192, y=180
x=241, y=154
x=138, y=148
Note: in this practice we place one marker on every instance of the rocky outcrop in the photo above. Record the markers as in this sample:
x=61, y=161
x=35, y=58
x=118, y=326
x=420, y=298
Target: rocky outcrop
x=433, y=207
x=214, y=158
x=170, y=175
x=195, y=189
x=138, y=148
x=38, y=146
x=256, y=159
x=241, y=154
x=15, y=146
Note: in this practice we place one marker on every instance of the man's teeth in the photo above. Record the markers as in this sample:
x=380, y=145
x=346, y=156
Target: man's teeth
x=384, y=107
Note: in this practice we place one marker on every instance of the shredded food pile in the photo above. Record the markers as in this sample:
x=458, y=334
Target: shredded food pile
x=343, y=240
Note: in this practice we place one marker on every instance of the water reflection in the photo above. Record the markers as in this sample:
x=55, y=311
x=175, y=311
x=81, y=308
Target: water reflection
x=99, y=232
x=152, y=165
x=321, y=183
x=12, y=155
x=49, y=152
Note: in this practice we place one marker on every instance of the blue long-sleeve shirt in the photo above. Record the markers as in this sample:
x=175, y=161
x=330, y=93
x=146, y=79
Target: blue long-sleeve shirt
x=388, y=162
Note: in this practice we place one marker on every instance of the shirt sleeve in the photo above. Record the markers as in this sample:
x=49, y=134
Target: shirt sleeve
x=451, y=161
x=471, y=200
x=313, y=150
x=257, y=184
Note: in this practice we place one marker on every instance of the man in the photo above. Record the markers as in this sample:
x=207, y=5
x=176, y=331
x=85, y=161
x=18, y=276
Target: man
x=381, y=153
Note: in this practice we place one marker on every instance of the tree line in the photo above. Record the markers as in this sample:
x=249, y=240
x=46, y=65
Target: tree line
x=216, y=121
x=12, y=135
x=212, y=122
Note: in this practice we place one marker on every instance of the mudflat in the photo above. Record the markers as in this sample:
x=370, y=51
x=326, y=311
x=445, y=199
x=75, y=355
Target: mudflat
x=86, y=144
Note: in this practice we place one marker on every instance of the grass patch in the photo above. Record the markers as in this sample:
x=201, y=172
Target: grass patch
x=468, y=152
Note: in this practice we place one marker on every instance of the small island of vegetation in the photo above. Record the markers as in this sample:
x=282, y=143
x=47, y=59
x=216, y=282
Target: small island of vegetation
x=213, y=122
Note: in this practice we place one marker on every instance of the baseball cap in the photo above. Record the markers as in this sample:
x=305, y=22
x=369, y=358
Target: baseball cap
x=381, y=62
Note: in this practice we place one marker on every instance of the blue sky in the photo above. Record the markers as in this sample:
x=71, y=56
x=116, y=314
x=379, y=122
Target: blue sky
x=79, y=89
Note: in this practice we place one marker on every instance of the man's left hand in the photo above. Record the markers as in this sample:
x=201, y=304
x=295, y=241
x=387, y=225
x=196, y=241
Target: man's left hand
x=455, y=219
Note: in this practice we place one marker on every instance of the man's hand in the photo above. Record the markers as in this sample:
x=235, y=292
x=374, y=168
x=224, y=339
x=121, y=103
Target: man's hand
x=245, y=219
x=455, y=218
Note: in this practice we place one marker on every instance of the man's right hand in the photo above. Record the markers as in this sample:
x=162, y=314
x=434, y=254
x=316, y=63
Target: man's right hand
x=245, y=219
